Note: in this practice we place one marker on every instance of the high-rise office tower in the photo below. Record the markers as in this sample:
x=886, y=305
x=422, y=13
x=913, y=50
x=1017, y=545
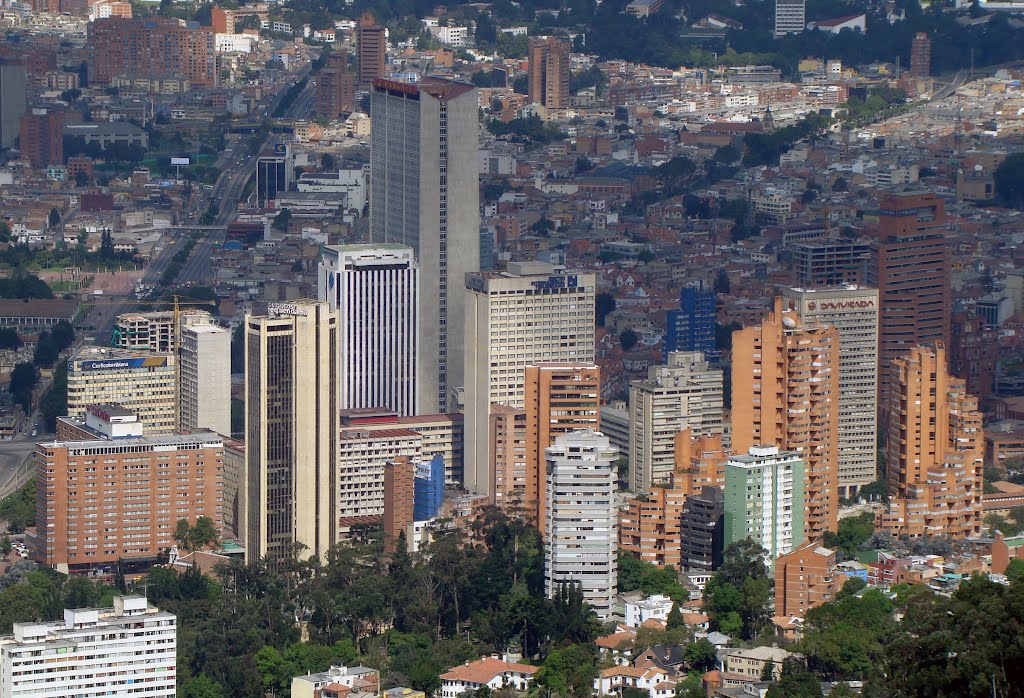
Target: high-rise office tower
x=12, y=99
x=151, y=47
x=921, y=56
x=549, y=71
x=853, y=312
x=335, y=86
x=974, y=353
x=763, y=491
x=42, y=138
x=910, y=267
x=130, y=648
x=686, y=393
x=291, y=430
x=424, y=193
x=580, y=544
x=375, y=291
x=830, y=262
x=934, y=453
x=528, y=314
x=142, y=382
x=273, y=175
x=785, y=393
x=790, y=17
x=560, y=398
x=692, y=327
x=204, y=379
x=371, y=48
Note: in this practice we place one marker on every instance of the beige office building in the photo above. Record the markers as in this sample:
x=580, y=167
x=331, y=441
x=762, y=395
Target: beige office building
x=686, y=393
x=531, y=313
x=291, y=429
x=141, y=382
x=204, y=378
x=853, y=311
x=362, y=457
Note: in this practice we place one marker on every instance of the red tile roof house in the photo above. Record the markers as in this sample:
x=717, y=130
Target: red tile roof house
x=492, y=672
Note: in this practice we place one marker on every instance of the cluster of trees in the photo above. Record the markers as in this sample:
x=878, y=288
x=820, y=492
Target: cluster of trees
x=31, y=593
x=765, y=148
x=115, y=152
x=738, y=597
x=178, y=261
x=289, y=97
x=1009, y=181
x=852, y=533
x=19, y=509
x=195, y=536
x=9, y=338
x=22, y=284
x=531, y=129
x=52, y=342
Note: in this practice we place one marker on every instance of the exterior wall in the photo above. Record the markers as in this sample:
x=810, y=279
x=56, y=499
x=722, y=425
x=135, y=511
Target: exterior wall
x=204, y=379
x=362, y=458
x=143, y=383
x=507, y=329
x=100, y=501
x=685, y=393
x=794, y=405
x=854, y=314
x=93, y=652
x=581, y=541
x=399, y=476
x=375, y=290
x=549, y=71
x=763, y=491
x=151, y=47
x=291, y=430
x=804, y=579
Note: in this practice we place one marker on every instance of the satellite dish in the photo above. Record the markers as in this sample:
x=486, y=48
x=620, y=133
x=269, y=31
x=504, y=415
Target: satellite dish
x=789, y=322
x=978, y=168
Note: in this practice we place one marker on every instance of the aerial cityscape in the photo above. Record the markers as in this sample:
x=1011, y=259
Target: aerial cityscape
x=512, y=349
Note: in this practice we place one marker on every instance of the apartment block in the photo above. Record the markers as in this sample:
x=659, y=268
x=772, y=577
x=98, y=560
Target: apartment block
x=805, y=579
x=530, y=314
x=580, y=542
x=141, y=382
x=764, y=489
x=702, y=531
x=397, y=514
x=363, y=455
x=335, y=87
x=102, y=500
x=685, y=393
x=785, y=392
x=650, y=526
x=828, y=262
x=506, y=439
x=151, y=47
x=371, y=47
x=291, y=430
x=790, y=17
x=561, y=398
x=853, y=311
x=692, y=327
x=549, y=61
x=934, y=450
x=41, y=138
x=129, y=649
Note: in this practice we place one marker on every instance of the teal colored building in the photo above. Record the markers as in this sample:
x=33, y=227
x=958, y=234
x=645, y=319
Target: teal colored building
x=764, y=499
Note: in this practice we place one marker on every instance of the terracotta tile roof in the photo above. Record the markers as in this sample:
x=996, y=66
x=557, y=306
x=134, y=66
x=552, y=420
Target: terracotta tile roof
x=483, y=670
x=614, y=640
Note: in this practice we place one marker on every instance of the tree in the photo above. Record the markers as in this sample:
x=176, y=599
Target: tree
x=853, y=532
x=5, y=545
x=604, y=303
x=740, y=591
x=23, y=380
x=722, y=284
x=628, y=339
x=203, y=534
x=1015, y=570
x=281, y=220
x=1009, y=181
x=569, y=672
x=54, y=217
x=701, y=655
x=9, y=338
x=796, y=682
x=485, y=33
x=106, y=245
x=201, y=686
x=691, y=687
x=63, y=335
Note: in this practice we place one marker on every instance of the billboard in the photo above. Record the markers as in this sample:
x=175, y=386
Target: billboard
x=121, y=364
x=179, y=161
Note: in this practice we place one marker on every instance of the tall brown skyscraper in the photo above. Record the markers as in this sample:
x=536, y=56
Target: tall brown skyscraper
x=921, y=56
x=399, y=495
x=151, y=47
x=560, y=398
x=549, y=71
x=785, y=393
x=42, y=138
x=934, y=452
x=910, y=266
x=335, y=86
x=371, y=45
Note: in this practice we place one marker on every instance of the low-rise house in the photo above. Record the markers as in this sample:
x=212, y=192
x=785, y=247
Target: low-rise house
x=493, y=672
x=338, y=682
x=743, y=666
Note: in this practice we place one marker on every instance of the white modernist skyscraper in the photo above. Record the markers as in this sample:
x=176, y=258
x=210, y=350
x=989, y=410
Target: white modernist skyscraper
x=375, y=291
x=204, y=378
x=424, y=193
x=531, y=313
x=580, y=518
x=790, y=16
x=853, y=311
